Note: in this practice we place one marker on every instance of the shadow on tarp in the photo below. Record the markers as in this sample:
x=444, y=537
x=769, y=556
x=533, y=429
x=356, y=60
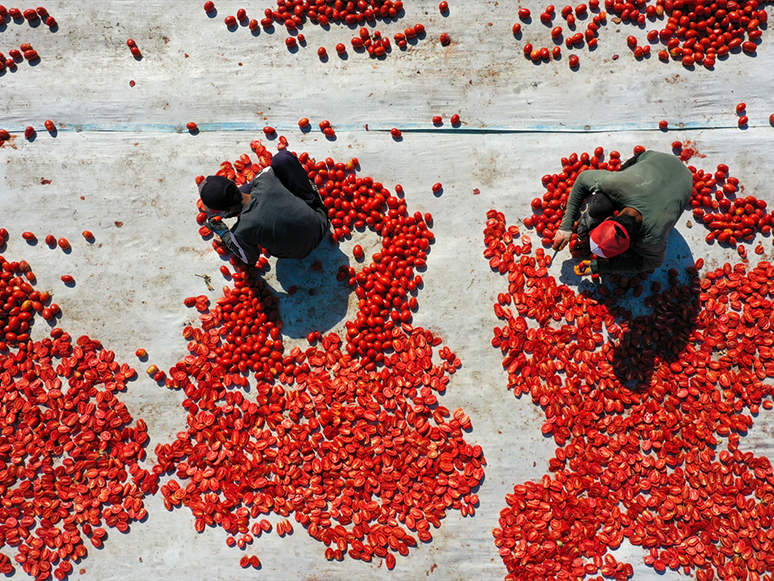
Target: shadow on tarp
x=660, y=328
x=661, y=333
x=312, y=300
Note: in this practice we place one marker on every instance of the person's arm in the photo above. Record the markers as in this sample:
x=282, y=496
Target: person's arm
x=247, y=253
x=580, y=191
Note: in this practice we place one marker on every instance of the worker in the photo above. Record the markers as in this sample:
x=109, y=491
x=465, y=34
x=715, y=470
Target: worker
x=629, y=214
x=280, y=210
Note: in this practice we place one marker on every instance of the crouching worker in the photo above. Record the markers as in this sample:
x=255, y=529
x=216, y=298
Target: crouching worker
x=280, y=210
x=629, y=214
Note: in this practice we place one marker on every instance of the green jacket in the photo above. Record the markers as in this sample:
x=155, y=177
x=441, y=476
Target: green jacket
x=658, y=186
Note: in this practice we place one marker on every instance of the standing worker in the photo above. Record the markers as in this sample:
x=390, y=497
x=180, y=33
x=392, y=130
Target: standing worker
x=629, y=213
x=279, y=210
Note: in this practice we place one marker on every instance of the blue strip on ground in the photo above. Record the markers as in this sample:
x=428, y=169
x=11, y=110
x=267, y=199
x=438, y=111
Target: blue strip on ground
x=359, y=127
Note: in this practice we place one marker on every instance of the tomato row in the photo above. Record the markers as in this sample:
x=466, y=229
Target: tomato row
x=30, y=15
x=697, y=34
x=694, y=35
x=293, y=14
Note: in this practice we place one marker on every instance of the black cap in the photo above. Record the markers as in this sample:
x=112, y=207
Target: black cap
x=219, y=193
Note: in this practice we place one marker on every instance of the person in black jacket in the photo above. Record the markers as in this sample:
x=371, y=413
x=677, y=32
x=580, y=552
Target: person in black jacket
x=280, y=210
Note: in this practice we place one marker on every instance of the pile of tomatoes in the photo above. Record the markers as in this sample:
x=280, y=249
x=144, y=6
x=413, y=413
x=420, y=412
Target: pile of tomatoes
x=730, y=217
x=698, y=33
x=359, y=450
x=20, y=301
x=69, y=449
x=639, y=408
x=387, y=287
x=292, y=14
x=694, y=34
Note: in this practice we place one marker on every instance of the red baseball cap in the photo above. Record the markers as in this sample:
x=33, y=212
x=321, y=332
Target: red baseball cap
x=609, y=239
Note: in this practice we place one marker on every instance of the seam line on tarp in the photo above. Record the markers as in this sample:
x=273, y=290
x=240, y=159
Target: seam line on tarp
x=406, y=128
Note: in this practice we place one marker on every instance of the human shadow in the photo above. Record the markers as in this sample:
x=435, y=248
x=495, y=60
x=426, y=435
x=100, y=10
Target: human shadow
x=312, y=299
x=660, y=333
x=655, y=327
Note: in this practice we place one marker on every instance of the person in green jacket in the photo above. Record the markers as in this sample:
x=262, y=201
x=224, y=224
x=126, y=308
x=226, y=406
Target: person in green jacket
x=629, y=213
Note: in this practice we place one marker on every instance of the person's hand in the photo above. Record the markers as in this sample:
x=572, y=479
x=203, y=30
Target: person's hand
x=561, y=239
x=217, y=226
x=583, y=268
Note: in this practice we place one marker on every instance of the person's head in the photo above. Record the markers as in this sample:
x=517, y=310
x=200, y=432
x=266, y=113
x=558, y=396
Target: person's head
x=219, y=193
x=613, y=236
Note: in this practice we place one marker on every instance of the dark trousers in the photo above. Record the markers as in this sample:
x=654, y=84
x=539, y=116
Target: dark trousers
x=293, y=176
